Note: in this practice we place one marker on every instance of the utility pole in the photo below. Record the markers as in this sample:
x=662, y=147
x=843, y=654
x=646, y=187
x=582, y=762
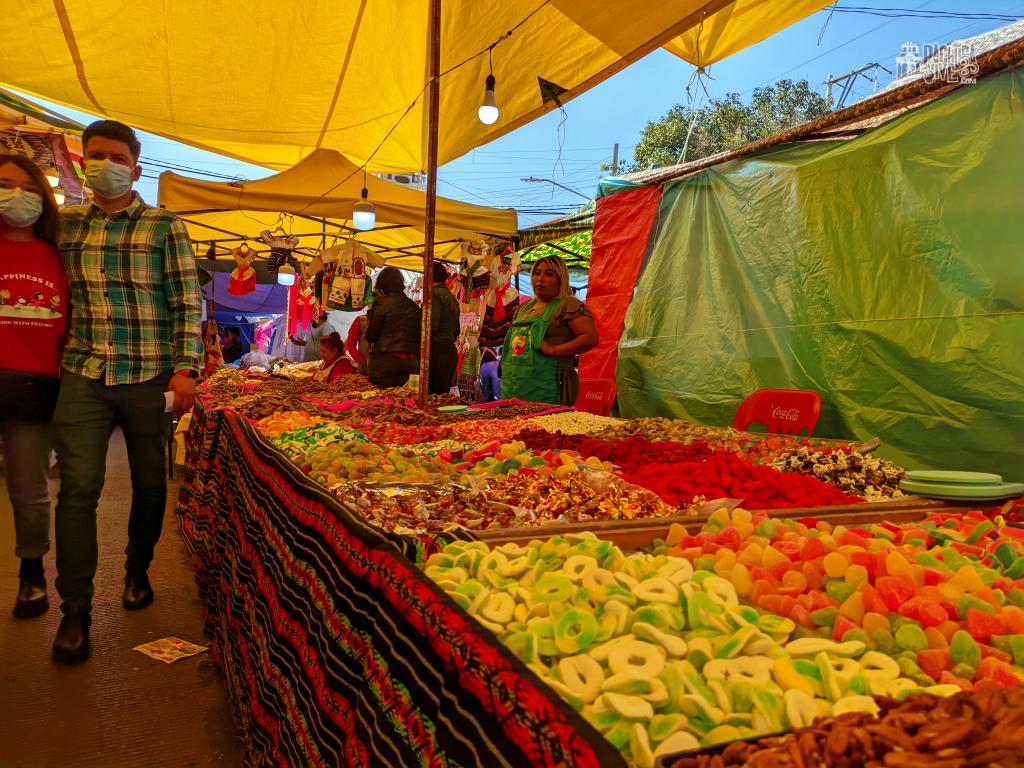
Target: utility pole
x=847, y=80
x=615, y=160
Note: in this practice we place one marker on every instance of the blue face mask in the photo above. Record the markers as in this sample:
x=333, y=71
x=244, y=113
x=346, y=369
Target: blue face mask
x=107, y=178
x=20, y=208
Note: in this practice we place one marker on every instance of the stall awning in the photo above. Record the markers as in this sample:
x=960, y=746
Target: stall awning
x=269, y=82
x=316, y=198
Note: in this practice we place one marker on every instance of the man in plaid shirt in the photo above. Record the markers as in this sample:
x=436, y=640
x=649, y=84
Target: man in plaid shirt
x=134, y=335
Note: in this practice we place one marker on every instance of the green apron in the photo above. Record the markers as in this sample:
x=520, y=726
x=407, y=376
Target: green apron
x=527, y=373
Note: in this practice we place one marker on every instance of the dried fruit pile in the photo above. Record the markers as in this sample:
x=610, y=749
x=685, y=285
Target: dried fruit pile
x=977, y=729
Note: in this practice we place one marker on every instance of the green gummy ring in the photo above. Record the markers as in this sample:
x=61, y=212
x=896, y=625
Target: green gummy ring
x=575, y=631
x=552, y=589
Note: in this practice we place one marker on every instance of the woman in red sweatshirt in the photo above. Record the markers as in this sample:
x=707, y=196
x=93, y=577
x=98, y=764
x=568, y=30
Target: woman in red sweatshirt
x=33, y=322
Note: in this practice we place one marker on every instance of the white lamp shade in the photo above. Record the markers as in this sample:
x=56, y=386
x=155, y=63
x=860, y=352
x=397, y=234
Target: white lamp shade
x=364, y=215
x=53, y=178
x=286, y=275
x=58, y=195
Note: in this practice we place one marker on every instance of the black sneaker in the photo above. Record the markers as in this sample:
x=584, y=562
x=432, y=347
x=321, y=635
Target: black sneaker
x=72, y=643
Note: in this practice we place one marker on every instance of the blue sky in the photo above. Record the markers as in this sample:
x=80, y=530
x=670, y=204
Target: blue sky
x=570, y=148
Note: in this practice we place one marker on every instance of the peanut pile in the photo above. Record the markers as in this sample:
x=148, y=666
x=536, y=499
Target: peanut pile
x=974, y=729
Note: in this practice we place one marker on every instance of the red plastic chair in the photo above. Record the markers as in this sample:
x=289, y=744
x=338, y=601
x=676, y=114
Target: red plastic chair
x=783, y=411
x=597, y=396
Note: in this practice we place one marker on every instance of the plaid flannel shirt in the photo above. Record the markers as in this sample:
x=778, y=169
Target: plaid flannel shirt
x=135, y=301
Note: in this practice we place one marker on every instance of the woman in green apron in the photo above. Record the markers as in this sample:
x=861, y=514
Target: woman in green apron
x=549, y=333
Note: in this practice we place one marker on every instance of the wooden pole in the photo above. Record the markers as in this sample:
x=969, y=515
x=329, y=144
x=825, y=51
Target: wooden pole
x=433, y=107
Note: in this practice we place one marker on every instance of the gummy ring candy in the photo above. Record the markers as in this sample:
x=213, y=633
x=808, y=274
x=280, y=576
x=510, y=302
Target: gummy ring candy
x=720, y=591
x=657, y=589
x=577, y=566
x=637, y=656
x=583, y=676
x=498, y=608
x=575, y=631
x=552, y=588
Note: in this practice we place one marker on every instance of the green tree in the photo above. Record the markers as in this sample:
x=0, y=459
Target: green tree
x=724, y=124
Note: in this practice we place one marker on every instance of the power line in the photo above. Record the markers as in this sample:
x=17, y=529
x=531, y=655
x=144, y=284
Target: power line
x=911, y=13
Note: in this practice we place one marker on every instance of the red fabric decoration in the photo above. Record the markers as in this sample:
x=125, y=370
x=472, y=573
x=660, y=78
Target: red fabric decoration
x=622, y=226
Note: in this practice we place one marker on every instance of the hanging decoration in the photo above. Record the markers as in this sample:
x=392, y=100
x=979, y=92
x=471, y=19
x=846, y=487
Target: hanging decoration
x=347, y=285
x=242, y=280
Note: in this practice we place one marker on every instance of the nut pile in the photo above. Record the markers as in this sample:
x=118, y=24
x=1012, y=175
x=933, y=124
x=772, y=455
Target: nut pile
x=850, y=472
x=967, y=730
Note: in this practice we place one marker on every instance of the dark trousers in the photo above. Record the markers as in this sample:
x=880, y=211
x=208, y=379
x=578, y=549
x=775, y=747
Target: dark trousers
x=385, y=370
x=87, y=412
x=443, y=359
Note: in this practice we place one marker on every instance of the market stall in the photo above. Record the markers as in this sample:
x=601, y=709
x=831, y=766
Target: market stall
x=395, y=584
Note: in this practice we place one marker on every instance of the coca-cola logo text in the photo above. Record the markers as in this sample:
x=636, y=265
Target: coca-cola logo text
x=786, y=415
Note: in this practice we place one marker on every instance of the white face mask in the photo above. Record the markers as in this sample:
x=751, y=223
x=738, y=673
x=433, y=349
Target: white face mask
x=107, y=178
x=20, y=208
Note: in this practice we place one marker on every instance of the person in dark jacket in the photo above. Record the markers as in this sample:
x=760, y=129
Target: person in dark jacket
x=394, y=331
x=444, y=330
x=232, y=345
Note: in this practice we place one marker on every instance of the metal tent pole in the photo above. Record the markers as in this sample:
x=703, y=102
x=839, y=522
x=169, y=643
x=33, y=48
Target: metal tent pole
x=433, y=105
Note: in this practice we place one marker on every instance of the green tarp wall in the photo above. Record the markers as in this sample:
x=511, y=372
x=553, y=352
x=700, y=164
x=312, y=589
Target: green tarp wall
x=885, y=272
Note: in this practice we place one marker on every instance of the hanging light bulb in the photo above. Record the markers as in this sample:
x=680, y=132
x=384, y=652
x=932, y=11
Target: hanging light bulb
x=286, y=274
x=364, y=213
x=488, y=110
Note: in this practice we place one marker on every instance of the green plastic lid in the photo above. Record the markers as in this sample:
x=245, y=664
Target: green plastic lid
x=945, y=476
x=963, y=491
x=452, y=408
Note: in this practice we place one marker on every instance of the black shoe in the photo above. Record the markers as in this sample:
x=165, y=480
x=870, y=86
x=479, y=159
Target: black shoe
x=137, y=592
x=72, y=642
x=31, y=601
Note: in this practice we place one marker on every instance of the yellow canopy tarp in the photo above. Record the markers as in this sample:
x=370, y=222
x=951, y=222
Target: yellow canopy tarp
x=270, y=81
x=316, y=197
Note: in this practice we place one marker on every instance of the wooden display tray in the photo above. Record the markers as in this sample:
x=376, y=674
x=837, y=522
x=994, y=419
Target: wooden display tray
x=634, y=534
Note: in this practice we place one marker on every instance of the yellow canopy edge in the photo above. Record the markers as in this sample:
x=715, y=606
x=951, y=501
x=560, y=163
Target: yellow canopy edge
x=270, y=81
x=739, y=25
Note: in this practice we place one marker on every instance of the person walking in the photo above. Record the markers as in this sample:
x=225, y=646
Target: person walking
x=444, y=330
x=134, y=335
x=32, y=338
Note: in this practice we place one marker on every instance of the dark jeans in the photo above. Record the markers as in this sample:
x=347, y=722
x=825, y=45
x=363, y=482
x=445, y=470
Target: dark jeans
x=386, y=370
x=87, y=412
x=443, y=360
